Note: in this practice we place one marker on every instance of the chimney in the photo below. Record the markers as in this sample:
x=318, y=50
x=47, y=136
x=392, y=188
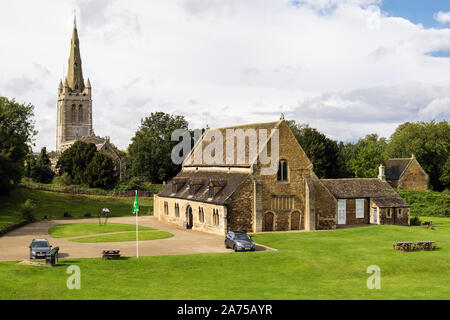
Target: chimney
x=381, y=174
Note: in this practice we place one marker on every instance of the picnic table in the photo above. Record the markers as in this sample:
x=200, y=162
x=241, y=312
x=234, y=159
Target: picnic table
x=111, y=253
x=414, y=245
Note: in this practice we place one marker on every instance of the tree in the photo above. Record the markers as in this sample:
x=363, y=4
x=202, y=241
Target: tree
x=369, y=153
x=430, y=144
x=41, y=169
x=149, y=154
x=322, y=151
x=75, y=160
x=16, y=135
x=100, y=172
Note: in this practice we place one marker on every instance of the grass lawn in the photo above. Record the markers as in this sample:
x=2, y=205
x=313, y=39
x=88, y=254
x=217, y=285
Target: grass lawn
x=53, y=205
x=127, y=236
x=87, y=228
x=308, y=265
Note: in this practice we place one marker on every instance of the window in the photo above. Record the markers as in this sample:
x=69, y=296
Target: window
x=282, y=174
x=215, y=217
x=177, y=210
x=389, y=213
x=283, y=202
x=166, y=208
x=201, y=215
x=399, y=212
x=359, y=208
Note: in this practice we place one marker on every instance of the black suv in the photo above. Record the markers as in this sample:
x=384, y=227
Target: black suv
x=239, y=241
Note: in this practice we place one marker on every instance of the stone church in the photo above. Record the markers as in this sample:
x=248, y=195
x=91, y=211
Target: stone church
x=74, y=111
x=220, y=197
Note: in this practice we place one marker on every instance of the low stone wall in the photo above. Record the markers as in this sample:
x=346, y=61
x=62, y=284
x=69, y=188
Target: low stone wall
x=13, y=227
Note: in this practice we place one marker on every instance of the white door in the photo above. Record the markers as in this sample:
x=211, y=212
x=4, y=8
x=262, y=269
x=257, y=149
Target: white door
x=375, y=215
x=342, y=211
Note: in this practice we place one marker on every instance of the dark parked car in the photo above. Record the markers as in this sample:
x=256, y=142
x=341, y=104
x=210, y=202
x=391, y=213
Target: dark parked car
x=239, y=241
x=39, y=248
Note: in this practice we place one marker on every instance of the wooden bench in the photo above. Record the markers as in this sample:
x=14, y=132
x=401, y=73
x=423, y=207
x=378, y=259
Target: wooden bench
x=111, y=253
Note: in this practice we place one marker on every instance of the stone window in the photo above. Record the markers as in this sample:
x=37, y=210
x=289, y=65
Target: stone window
x=359, y=208
x=166, y=208
x=215, y=217
x=282, y=174
x=389, y=213
x=201, y=215
x=399, y=212
x=283, y=202
x=177, y=210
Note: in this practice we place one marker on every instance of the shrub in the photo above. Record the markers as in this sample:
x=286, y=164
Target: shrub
x=415, y=221
x=67, y=215
x=27, y=209
x=63, y=180
x=87, y=215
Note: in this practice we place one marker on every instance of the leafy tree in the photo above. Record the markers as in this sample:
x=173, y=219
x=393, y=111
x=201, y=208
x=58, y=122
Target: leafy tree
x=346, y=156
x=75, y=160
x=100, y=172
x=16, y=135
x=41, y=169
x=151, y=147
x=322, y=151
x=430, y=144
x=30, y=164
x=369, y=153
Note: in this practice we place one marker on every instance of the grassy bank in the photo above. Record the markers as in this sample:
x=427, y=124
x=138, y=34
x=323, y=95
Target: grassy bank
x=54, y=205
x=308, y=265
x=427, y=203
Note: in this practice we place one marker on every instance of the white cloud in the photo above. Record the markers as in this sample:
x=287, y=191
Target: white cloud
x=442, y=17
x=341, y=65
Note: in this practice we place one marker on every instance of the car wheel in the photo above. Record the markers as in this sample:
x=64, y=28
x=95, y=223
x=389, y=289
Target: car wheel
x=235, y=249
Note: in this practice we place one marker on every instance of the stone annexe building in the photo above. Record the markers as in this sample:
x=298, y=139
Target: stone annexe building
x=220, y=198
x=406, y=174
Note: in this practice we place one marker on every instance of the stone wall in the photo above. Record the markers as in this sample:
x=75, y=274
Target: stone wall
x=240, y=208
x=206, y=226
x=414, y=178
x=351, y=212
x=325, y=206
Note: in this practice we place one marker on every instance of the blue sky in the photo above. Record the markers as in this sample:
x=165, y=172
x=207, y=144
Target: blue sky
x=417, y=11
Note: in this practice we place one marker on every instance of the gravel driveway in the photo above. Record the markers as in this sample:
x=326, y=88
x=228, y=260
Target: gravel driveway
x=14, y=245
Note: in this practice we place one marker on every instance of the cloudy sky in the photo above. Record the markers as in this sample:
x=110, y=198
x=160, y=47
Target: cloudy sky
x=346, y=67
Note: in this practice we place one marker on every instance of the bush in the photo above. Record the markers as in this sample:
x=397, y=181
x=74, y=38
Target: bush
x=63, y=180
x=27, y=209
x=87, y=215
x=67, y=215
x=415, y=221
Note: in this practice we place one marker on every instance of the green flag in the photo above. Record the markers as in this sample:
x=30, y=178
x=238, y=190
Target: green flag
x=136, y=205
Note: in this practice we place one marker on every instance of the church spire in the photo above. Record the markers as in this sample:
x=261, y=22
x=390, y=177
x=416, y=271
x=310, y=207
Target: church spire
x=75, y=72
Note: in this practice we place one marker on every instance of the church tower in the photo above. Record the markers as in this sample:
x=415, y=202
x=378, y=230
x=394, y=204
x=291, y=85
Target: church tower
x=74, y=115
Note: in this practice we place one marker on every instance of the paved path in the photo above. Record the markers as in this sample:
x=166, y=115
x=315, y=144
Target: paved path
x=14, y=245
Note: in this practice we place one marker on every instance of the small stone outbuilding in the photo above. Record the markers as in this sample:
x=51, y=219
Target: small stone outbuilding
x=406, y=174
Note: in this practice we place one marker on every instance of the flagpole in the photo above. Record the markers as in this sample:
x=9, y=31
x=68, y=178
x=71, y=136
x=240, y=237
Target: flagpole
x=137, y=232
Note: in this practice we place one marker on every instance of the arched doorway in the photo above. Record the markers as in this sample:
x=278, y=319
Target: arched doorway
x=189, y=218
x=296, y=220
x=268, y=221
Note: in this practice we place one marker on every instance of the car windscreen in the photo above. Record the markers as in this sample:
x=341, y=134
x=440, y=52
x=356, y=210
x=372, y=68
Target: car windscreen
x=241, y=236
x=40, y=244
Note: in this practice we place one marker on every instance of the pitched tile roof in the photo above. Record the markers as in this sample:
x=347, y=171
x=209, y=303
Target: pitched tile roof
x=228, y=182
x=395, y=168
x=205, y=141
x=379, y=191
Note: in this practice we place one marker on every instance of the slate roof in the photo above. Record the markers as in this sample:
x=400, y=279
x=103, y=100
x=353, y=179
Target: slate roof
x=228, y=182
x=379, y=191
x=203, y=143
x=395, y=168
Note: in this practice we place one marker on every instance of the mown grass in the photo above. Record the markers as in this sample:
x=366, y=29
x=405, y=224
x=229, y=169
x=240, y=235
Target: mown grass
x=88, y=228
x=53, y=205
x=427, y=202
x=127, y=236
x=308, y=265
